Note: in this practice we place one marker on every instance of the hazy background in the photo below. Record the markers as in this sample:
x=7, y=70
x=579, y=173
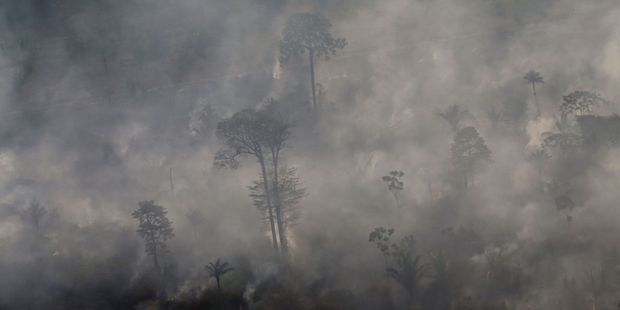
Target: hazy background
x=97, y=98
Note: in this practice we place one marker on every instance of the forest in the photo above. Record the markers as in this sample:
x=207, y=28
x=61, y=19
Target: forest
x=310, y=154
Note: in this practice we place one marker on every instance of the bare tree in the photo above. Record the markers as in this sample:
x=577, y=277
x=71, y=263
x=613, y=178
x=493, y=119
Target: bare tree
x=217, y=270
x=309, y=32
x=155, y=228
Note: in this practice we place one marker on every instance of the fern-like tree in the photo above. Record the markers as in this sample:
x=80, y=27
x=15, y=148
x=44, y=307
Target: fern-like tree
x=454, y=115
x=217, y=270
x=395, y=184
x=532, y=77
x=309, y=33
x=469, y=154
x=403, y=265
x=155, y=228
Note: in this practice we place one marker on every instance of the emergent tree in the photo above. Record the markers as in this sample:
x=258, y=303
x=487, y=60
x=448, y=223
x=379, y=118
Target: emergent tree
x=533, y=78
x=155, y=228
x=309, y=32
x=469, y=153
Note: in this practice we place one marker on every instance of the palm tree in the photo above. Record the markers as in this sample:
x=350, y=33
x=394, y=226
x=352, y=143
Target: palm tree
x=454, y=114
x=533, y=77
x=217, y=270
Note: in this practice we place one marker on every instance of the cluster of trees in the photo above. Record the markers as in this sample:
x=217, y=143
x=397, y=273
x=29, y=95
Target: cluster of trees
x=457, y=270
x=262, y=135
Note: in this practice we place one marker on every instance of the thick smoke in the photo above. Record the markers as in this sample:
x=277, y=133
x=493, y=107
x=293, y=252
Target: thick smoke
x=104, y=104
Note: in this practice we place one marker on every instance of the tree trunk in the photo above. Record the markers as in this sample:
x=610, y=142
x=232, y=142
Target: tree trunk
x=269, y=205
x=542, y=182
x=217, y=280
x=536, y=100
x=278, y=207
x=171, y=182
x=156, y=260
x=272, y=224
x=313, y=84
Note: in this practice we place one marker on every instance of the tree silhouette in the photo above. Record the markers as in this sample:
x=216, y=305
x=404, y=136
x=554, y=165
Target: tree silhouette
x=454, y=114
x=580, y=103
x=469, y=153
x=395, y=185
x=309, y=32
x=195, y=219
x=403, y=266
x=34, y=214
x=263, y=135
x=155, y=228
x=276, y=133
x=243, y=135
x=217, y=270
x=532, y=77
x=291, y=192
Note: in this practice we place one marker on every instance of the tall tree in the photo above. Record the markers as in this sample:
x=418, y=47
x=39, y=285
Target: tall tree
x=155, y=228
x=469, y=153
x=532, y=77
x=217, y=270
x=291, y=192
x=263, y=135
x=243, y=135
x=309, y=32
x=276, y=133
x=454, y=115
x=395, y=185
